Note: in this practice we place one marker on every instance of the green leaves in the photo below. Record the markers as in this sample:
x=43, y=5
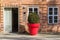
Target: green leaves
x=33, y=18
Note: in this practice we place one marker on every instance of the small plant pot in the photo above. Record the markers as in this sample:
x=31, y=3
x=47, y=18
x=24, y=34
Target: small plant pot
x=33, y=28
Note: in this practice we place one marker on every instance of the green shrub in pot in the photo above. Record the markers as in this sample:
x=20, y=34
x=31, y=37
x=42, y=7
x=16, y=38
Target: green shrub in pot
x=33, y=23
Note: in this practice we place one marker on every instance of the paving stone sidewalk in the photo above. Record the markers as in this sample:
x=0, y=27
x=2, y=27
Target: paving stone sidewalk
x=13, y=36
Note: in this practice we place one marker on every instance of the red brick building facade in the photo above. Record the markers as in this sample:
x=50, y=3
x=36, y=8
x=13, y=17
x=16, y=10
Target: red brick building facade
x=49, y=12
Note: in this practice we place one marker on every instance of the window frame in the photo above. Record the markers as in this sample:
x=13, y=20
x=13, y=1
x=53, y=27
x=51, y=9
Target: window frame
x=33, y=9
x=53, y=15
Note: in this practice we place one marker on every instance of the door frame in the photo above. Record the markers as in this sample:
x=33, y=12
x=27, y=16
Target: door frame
x=3, y=17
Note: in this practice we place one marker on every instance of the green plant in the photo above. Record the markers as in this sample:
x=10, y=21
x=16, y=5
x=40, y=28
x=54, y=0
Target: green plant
x=33, y=18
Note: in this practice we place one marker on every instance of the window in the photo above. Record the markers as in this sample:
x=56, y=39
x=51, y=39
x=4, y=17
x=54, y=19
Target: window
x=52, y=15
x=33, y=9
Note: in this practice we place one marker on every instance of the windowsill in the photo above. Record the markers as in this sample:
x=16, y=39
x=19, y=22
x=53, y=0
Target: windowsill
x=52, y=23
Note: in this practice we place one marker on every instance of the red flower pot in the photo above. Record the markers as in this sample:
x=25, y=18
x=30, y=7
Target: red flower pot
x=33, y=28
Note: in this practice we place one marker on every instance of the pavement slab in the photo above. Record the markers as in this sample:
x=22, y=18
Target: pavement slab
x=29, y=37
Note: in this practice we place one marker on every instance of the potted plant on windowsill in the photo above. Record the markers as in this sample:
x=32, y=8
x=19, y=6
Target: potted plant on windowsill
x=33, y=23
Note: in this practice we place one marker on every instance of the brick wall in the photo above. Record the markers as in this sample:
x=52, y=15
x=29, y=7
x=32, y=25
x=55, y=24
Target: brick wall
x=43, y=10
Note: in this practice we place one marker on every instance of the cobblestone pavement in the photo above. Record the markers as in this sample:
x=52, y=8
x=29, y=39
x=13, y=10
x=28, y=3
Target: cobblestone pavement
x=29, y=37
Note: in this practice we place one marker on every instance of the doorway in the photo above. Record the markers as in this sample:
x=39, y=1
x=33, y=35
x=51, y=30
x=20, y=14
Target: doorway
x=14, y=19
x=10, y=20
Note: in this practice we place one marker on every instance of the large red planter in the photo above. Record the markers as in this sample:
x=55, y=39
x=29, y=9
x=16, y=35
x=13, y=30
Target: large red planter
x=33, y=28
